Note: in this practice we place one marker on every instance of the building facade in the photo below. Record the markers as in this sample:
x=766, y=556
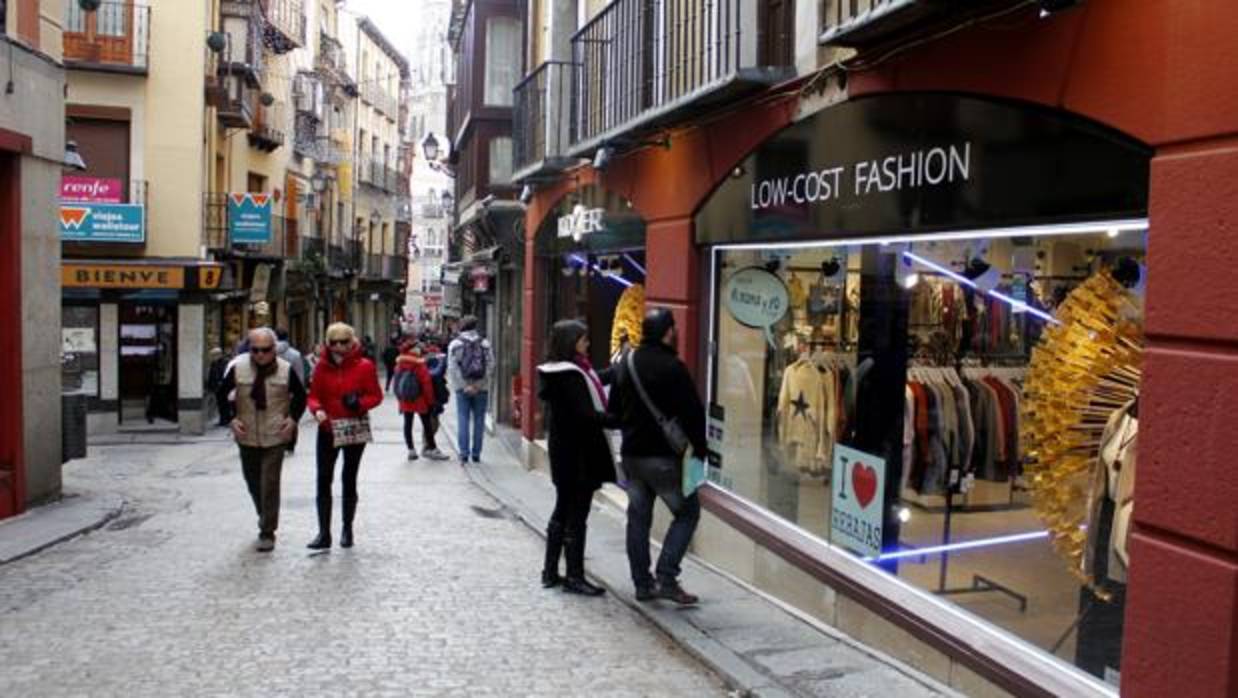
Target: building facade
x=32, y=155
x=484, y=269
x=908, y=247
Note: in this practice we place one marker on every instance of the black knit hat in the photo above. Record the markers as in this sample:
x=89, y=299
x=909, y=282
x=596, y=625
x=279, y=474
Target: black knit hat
x=657, y=322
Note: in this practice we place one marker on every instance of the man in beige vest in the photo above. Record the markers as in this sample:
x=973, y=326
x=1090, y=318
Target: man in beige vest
x=270, y=400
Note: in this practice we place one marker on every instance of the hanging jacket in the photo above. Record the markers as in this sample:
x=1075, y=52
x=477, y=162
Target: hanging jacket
x=355, y=374
x=409, y=363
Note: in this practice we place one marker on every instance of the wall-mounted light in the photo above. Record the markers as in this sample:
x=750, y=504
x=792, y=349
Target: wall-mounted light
x=89, y=5
x=266, y=99
x=526, y=194
x=602, y=158
x=72, y=158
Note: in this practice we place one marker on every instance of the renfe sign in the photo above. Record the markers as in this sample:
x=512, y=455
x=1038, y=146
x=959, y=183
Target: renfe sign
x=91, y=189
x=925, y=162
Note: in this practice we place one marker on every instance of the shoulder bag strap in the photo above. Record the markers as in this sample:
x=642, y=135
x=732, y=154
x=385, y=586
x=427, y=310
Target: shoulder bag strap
x=640, y=388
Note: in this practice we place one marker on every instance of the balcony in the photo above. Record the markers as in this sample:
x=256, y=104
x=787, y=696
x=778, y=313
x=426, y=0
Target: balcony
x=378, y=97
x=542, y=112
x=270, y=127
x=286, y=23
x=373, y=266
x=376, y=174
x=342, y=259
x=114, y=38
x=235, y=102
x=865, y=23
x=645, y=65
x=332, y=61
x=395, y=268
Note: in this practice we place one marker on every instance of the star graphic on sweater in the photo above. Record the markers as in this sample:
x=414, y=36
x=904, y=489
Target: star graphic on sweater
x=801, y=406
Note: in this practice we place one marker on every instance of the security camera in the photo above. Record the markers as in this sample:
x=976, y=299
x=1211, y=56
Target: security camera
x=601, y=159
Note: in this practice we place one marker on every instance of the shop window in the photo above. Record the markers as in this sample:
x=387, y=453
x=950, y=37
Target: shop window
x=962, y=413
x=79, y=351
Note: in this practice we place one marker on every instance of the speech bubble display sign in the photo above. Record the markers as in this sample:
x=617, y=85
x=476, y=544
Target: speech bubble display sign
x=757, y=298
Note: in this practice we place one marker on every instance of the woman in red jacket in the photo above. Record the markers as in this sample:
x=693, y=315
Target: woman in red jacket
x=411, y=363
x=345, y=385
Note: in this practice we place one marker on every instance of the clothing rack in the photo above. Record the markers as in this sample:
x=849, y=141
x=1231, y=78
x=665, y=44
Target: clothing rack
x=979, y=583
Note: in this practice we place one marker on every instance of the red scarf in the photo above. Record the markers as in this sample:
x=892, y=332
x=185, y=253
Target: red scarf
x=583, y=362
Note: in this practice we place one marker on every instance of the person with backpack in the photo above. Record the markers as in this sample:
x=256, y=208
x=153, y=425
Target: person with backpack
x=414, y=389
x=470, y=366
x=436, y=362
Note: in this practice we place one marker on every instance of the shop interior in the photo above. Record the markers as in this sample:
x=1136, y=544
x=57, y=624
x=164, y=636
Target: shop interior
x=604, y=289
x=920, y=351
x=147, y=363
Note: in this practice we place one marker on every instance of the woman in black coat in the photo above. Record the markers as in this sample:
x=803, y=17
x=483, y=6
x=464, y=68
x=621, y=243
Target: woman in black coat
x=580, y=457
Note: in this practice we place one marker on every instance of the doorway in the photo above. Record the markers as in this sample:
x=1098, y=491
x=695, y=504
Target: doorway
x=12, y=489
x=148, y=363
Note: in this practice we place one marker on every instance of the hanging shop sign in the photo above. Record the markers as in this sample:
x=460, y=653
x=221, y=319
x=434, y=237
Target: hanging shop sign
x=581, y=222
x=591, y=220
x=140, y=276
x=249, y=218
x=899, y=164
x=89, y=222
x=261, y=285
x=856, y=522
x=95, y=190
x=757, y=298
x=480, y=278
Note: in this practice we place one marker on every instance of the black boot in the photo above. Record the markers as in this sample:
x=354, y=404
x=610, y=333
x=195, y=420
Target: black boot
x=554, y=548
x=350, y=510
x=574, y=549
x=323, y=541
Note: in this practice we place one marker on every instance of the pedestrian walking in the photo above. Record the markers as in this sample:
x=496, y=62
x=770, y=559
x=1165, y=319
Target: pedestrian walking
x=289, y=353
x=270, y=400
x=214, y=379
x=653, y=387
x=390, y=354
x=414, y=388
x=580, y=457
x=470, y=366
x=345, y=388
x=436, y=362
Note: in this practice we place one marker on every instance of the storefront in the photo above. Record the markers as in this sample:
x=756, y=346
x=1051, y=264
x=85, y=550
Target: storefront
x=135, y=337
x=891, y=312
x=591, y=252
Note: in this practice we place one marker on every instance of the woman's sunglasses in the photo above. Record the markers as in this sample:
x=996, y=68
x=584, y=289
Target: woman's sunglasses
x=340, y=342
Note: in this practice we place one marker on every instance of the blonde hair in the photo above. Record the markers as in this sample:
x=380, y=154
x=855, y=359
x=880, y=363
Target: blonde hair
x=340, y=330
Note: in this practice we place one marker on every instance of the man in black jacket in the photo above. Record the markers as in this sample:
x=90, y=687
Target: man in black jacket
x=653, y=468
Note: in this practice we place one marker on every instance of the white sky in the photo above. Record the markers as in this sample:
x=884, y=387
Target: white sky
x=394, y=17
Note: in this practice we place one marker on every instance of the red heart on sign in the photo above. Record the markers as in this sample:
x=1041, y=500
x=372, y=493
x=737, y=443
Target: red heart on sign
x=864, y=482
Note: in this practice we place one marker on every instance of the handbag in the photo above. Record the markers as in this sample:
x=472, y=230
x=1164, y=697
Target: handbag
x=350, y=431
x=675, y=436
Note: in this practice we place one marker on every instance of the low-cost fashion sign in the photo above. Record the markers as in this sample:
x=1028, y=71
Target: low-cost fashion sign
x=859, y=495
x=249, y=218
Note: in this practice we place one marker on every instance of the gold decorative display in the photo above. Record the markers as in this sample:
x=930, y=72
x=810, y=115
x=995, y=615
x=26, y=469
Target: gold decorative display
x=629, y=313
x=1081, y=372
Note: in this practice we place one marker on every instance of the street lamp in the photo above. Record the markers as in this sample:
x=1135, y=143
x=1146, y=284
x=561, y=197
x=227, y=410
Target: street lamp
x=430, y=148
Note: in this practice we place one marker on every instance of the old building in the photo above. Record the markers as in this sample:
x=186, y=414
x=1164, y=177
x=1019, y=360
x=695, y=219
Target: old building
x=32, y=156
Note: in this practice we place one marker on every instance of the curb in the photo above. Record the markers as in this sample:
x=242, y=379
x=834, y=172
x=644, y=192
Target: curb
x=42, y=532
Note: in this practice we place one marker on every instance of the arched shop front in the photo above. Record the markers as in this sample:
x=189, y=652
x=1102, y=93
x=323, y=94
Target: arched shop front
x=930, y=259
x=591, y=253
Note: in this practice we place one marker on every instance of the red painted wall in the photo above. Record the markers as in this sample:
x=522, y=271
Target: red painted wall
x=1161, y=71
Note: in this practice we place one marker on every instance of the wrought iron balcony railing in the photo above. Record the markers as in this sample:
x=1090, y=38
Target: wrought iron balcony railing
x=286, y=22
x=542, y=118
x=861, y=23
x=115, y=37
x=644, y=63
x=270, y=127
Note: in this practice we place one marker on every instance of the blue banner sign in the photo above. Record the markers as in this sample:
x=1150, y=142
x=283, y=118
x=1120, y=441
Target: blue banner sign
x=89, y=222
x=249, y=218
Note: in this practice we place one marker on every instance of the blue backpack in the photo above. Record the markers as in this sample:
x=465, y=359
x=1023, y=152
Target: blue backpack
x=407, y=387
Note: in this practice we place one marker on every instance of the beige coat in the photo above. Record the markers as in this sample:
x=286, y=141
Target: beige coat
x=262, y=427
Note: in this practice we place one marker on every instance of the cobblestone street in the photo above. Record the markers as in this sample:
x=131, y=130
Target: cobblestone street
x=439, y=597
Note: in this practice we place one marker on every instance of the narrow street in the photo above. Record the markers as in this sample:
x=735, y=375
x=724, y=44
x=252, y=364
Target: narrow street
x=439, y=597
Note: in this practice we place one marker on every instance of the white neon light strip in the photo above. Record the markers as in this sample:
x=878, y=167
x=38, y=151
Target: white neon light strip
x=1019, y=306
x=1122, y=226
x=966, y=545
x=608, y=274
x=635, y=264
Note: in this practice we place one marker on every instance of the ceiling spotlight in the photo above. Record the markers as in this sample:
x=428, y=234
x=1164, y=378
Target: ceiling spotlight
x=526, y=194
x=904, y=514
x=1114, y=232
x=905, y=274
x=602, y=158
x=1048, y=7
